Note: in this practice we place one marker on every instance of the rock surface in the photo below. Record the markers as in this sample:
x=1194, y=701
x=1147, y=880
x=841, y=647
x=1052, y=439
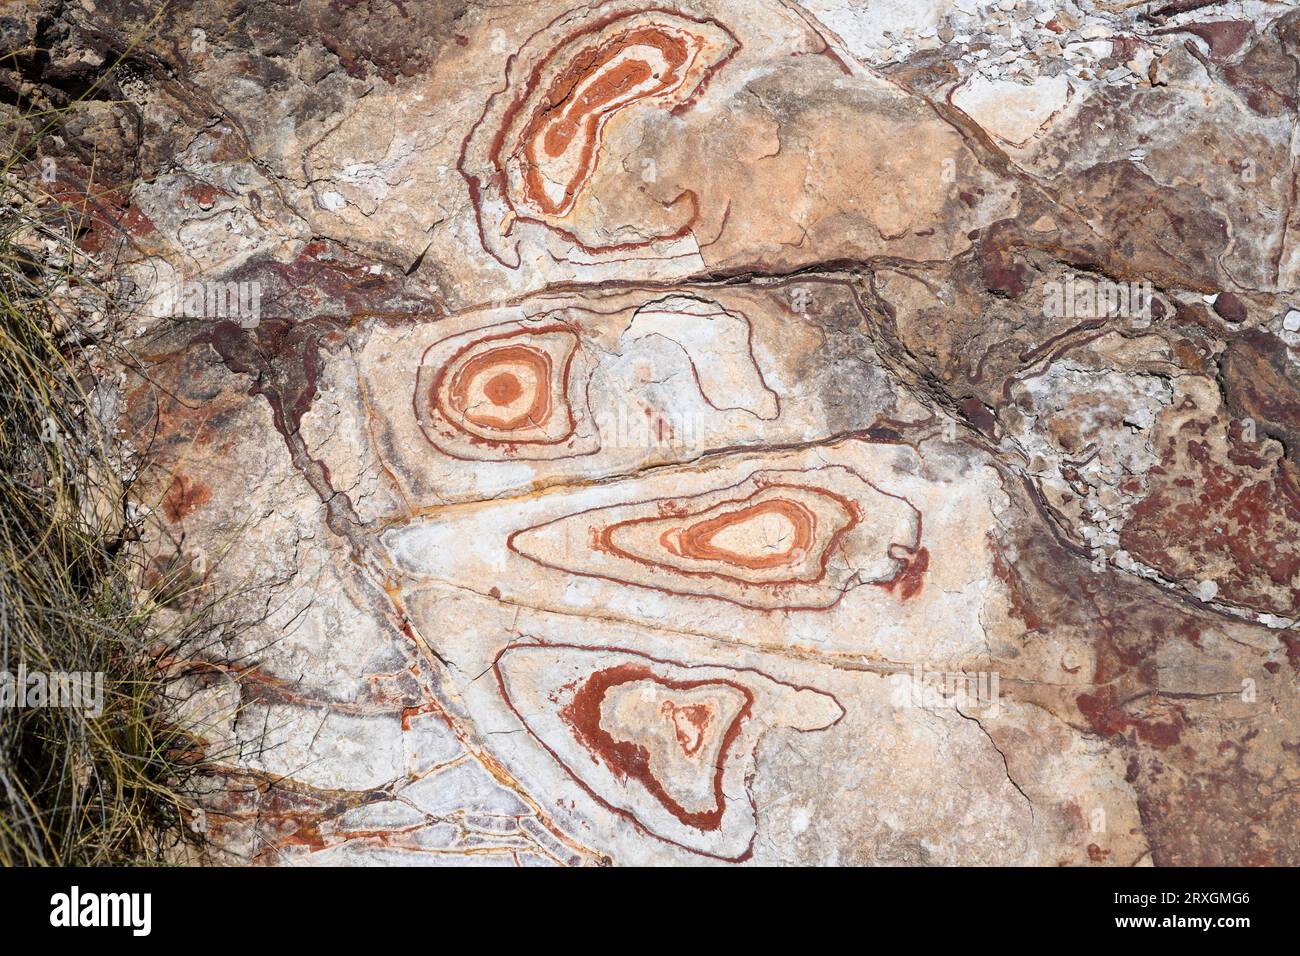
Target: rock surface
x=822, y=433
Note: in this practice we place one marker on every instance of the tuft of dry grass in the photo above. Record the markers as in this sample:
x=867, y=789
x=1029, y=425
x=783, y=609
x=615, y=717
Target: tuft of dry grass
x=79, y=788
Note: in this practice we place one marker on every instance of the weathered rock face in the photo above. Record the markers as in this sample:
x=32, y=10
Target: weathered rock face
x=710, y=432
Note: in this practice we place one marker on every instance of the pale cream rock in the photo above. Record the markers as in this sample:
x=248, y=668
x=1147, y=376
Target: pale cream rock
x=1014, y=112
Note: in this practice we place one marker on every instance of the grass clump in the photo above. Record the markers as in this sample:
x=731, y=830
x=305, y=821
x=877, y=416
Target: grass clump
x=78, y=787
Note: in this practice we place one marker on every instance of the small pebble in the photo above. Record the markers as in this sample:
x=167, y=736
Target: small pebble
x=1230, y=307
